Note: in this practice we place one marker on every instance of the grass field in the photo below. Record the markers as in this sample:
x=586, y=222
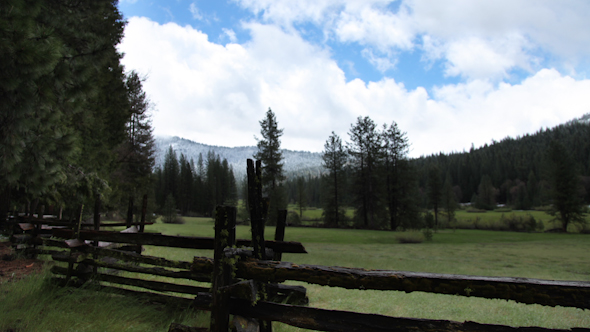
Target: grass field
x=473, y=252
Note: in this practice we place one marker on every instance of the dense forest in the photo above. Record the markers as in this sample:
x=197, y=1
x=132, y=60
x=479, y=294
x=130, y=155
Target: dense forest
x=194, y=188
x=517, y=167
x=74, y=126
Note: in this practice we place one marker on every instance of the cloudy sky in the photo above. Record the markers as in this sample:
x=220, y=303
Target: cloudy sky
x=449, y=73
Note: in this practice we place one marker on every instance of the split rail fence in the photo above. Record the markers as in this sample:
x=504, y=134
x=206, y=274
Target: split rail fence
x=245, y=281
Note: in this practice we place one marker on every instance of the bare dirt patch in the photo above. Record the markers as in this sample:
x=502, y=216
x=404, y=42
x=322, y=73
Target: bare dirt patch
x=13, y=267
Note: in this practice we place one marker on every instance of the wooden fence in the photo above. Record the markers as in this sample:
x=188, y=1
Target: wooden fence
x=245, y=282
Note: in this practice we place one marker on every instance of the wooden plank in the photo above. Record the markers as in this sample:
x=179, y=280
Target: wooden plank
x=206, y=264
x=147, y=284
x=346, y=321
x=158, y=271
x=530, y=291
x=155, y=239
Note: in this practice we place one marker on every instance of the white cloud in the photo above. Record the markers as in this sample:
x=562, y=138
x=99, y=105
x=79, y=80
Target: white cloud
x=195, y=11
x=229, y=33
x=506, y=33
x=217, y=94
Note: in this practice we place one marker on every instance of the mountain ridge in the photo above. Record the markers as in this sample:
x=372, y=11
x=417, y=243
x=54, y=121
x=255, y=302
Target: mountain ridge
x=295, y=163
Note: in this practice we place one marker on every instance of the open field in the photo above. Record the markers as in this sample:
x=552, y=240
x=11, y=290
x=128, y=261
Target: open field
x=475, y=252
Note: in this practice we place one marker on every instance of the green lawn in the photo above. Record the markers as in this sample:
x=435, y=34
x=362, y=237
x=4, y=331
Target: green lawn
x=473, y=252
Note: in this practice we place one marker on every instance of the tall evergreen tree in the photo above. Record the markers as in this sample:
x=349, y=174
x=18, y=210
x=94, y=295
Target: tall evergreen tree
x=334, y=158
x=54, y=58
x=269, y=153
x=301, y=195
x=566, y=206
x=395, y=150
x=449, y=202
x=170, y=174
x=185, y=185
x=435, y=191
x=365, y=152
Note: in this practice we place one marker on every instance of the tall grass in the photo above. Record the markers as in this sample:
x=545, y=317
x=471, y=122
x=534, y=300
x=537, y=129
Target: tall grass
x=33, y=304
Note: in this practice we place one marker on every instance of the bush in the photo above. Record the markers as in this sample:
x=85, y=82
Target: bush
x=169, y=215
x=293, y=219
x=409, y=237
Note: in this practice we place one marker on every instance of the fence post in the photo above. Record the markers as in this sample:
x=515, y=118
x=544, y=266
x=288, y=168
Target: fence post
x=77, y=233
x=255, y=204
x=280, y=232
x=143, y=213
x=97, y=206
x=225, y=223
x=130, y=212
x=258, y=207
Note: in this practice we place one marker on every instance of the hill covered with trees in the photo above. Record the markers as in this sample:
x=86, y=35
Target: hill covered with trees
x=516, y=168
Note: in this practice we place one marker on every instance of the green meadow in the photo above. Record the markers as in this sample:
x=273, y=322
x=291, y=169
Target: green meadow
x=471, y=252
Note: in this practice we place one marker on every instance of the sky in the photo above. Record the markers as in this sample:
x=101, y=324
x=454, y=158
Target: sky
x=450, y=74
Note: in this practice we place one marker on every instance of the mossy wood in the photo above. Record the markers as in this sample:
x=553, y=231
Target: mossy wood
x=530, y=291
x=206, y=263
x=346, y=321
x=158, y=271
x=187, y=242
x=148, y=284
x=225, y=223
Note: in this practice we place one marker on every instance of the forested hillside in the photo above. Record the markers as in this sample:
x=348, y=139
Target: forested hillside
x=296, y=162
x=517, y=166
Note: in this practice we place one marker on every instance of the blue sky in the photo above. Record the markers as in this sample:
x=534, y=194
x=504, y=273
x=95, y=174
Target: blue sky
x=448, y=73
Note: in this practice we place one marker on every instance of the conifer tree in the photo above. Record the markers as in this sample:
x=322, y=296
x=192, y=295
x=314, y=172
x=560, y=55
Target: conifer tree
x=449, y=202
x=395, y=150
x=334, y=158
x=269, y=153
x=435, y=191
x=365, y=152
x=566, y=204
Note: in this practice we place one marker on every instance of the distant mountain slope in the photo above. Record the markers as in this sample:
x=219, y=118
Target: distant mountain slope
x=295, y=162
x=512, y=159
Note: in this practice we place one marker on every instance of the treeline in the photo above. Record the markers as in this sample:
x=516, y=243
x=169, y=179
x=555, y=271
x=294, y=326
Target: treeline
x=194, y=188
x=514, y=171
x=74, y=126
x=372, y=174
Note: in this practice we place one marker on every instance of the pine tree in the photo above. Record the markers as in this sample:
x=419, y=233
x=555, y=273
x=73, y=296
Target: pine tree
x=449, y=202
x=365, y=152
x=185, y=185
x=395, y=150
x=170, y=174
x=270, y=155
x=566, y=206
x=435, y=191
x=334, y=158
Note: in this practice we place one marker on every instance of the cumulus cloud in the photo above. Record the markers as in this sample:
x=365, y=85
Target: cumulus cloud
x=217, y=94
x=504, y=34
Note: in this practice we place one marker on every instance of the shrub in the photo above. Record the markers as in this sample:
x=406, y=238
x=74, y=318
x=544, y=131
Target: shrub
x=293, y=219
x=409, y=237
x=169, y=215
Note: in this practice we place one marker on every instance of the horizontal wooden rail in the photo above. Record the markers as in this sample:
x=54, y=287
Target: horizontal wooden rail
x=158, y=271
x=130, y=256
x=530, y=291
x=346, y=321
x=148, y=284
x=156, y=239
